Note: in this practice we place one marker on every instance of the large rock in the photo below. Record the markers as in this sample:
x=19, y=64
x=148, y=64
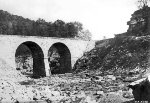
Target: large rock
x=141, y=89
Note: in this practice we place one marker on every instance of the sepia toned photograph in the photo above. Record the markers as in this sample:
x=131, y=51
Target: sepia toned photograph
x=74, y=51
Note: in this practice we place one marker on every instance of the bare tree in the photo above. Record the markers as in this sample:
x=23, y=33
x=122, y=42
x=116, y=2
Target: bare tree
x=142, y=3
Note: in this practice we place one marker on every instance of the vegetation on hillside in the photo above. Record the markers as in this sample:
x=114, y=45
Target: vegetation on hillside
x=17, y=25
x=118, y=56
x=126, y=53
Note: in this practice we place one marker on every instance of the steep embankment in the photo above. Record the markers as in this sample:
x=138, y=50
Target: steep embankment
x=123, y=56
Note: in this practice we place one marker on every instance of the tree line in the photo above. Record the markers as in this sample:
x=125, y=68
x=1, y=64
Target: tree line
x=17, y=25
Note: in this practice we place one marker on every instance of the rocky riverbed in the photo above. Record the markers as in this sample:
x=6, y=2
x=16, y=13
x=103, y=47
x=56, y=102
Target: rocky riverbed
x=62, y=88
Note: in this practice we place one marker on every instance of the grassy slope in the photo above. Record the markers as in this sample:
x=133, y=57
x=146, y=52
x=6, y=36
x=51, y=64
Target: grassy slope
x=120, y=55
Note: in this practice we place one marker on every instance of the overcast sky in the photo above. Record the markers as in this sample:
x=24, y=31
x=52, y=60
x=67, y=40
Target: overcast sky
x=100, y=17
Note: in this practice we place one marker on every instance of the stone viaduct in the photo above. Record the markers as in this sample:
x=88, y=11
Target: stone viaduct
x=70, y=50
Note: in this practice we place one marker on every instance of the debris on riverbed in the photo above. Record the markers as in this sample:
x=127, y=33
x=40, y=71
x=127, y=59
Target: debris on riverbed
x=62, y=88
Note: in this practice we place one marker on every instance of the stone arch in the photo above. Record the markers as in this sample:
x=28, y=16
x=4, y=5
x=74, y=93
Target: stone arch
x=36, y=52
x=59, y=58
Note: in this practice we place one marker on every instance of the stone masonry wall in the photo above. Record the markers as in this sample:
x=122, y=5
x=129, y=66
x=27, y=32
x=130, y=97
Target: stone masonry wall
x=10, y=43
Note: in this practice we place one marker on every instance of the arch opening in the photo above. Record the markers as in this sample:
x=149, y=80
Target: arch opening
x=59, y=59
x=29, y=59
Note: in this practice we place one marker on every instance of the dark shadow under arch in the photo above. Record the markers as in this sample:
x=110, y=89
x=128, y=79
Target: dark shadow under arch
x=37, y=56
x=59, y=58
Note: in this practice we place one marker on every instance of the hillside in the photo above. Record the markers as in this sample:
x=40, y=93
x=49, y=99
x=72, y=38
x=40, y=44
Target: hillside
x=125, y=55
x=17, y=25
x=119, y=56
